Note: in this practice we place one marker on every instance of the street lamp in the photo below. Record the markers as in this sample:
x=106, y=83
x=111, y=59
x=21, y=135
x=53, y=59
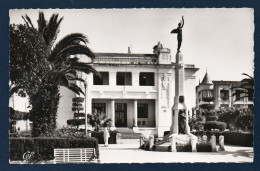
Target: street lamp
x=86, y=121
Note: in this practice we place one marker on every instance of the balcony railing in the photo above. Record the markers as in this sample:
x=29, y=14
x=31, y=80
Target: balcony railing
x=124, y=60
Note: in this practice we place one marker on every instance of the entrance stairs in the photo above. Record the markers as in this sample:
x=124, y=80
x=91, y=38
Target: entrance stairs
x=128, y=133
x=165, y=144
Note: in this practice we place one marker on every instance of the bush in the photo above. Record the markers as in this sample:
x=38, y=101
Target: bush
x=43, y=148
x=183, y=148
x=215, y=125
x=245, y=122
x=99, y=136
x=239, y=138
x=211, y=118
x=204, y=147
x=231, y=138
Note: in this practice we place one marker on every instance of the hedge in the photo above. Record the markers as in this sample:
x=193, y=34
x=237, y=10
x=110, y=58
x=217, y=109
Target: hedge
x=43, y=148
x=231, y=138
x=215, y=125
x=99, y=136
x=204, y=147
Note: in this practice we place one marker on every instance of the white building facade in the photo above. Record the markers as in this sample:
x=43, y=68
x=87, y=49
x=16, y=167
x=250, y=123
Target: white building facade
x=137, y=90
x=221, y=94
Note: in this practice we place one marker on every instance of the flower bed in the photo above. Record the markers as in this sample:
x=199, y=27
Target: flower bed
x=43, y=147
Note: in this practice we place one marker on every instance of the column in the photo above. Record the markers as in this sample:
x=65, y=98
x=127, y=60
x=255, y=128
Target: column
x=112, y=112
x=135, y=113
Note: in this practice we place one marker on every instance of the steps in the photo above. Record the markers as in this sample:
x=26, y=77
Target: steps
x=163, y=147
x=127, y=133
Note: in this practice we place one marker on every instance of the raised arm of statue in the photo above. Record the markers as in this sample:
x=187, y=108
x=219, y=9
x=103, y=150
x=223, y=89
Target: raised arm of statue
x=182, y=21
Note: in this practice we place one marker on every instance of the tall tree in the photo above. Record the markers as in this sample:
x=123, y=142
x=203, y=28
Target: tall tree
x=247, y=85
x=53, y=65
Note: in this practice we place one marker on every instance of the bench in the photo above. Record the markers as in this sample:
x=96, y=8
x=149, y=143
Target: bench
x=75, y=155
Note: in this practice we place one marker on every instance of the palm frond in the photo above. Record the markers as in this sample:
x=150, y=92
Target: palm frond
x=26, y=22
x=63, y=80
x=70, y=71
x=51, y=29
x=248, y=76
x=41, y=22
x=76, y=89
x=75, y=79
x=29, y=20
x=72, y=50
x=85, y=68
x=71, y=39
x=246, y=85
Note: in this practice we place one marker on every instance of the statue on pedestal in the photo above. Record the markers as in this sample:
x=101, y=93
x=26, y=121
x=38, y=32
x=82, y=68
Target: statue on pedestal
x=178, y=31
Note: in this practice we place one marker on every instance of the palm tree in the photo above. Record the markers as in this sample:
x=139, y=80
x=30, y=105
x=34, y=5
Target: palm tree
x=247, y=85
x=63, y=66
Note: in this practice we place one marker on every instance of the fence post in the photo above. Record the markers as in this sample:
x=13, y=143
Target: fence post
x=173, y=144
x=141, y=140
x=204, y=139
x=221, y=143
x=194, y=140
x=151, y=142
x=213, y=143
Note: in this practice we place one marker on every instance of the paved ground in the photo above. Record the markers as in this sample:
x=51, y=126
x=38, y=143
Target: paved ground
x=127, y=152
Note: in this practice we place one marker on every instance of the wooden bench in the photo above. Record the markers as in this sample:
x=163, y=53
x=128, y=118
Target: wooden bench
x=75, y=155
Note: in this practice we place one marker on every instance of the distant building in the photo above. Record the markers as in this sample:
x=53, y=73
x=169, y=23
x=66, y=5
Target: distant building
x=136, y=90
x=218, y=94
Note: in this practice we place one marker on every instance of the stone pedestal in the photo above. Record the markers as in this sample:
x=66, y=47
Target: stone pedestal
x=173, y=144
x=179, y=100
x=204, y=139
x=194, y=140
x=221, y=143
x=151, y=142
x=213, y=143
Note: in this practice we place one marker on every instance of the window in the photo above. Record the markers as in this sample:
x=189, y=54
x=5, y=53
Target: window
x=104, y=80
x=207, y=95
x=142, y=110
x=146, y=79
x=124, y=78
x=224, y=94
x=99, y=108
x=238, y=95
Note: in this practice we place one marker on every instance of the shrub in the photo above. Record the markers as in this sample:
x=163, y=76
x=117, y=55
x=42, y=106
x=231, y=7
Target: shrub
x=231, y=138
x=99, y=136
x=203, y=147
x=245, y=121
x=215, y=125
x=239, y=138
x=43, y=148
x=183, y=148
x=211, y=118
x=98, y=120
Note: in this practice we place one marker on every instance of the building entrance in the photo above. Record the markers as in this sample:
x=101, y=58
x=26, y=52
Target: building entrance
x=121, y=115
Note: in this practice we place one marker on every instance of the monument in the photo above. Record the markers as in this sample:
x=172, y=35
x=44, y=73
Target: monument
x=179, y=108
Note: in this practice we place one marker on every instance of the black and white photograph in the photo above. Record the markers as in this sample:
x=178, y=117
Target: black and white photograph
x=140, y=85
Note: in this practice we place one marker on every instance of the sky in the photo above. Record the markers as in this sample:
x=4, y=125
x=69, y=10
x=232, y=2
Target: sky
x=217, y=40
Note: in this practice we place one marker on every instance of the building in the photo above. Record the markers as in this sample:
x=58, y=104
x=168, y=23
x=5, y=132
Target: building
x=220, y=94
x=136, y=90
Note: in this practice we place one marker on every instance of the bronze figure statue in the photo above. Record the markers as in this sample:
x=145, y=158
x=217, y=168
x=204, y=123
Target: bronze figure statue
x=178, y=30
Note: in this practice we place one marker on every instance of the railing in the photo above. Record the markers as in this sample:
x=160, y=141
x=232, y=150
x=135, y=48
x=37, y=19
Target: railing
x=124, y=60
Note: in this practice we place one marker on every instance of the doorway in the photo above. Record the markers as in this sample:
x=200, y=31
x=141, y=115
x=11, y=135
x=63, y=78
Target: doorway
x=121, y=115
